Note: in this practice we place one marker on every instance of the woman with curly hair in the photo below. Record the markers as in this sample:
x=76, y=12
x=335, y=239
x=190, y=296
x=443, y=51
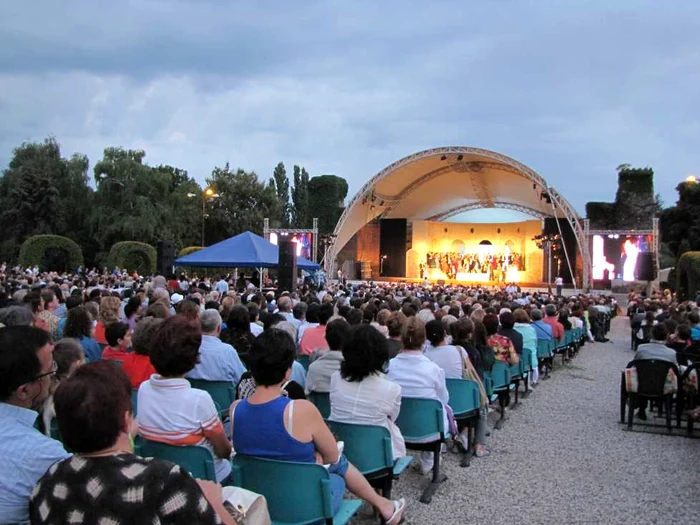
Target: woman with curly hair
x=108, y=314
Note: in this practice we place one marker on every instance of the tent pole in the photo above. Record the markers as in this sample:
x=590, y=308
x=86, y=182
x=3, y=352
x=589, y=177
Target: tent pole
x=260, y=271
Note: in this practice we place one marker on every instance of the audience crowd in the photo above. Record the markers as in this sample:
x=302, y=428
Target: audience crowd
x=74, y=346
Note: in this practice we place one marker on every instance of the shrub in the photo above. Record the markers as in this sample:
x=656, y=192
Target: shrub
x=188, y=250
x=34, y=248
x=133, y=255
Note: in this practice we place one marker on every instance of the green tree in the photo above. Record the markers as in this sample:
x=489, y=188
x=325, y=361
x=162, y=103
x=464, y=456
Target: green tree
x=300, y=199
x=280, y=184
x=244, y=201
x=327, y=200
x=680, y=224
x=42, y=193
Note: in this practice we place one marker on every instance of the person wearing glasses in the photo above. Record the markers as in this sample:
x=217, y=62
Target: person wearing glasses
x=26, y=371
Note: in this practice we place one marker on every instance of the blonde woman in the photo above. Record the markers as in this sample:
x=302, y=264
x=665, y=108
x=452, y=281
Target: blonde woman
x=108, y=314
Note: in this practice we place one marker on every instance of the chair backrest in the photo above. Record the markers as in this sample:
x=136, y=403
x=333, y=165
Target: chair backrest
x=295, y=492
x=464, y=396
x=525, y=361
x=368, y=447
x=222, y=392
x=196, y=460
x=543, y=346
x=420, y=419
x=651, y=375
x=500, y=374
x=322, y=401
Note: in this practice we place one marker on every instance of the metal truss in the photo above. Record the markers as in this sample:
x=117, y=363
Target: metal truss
x=494, y=204
x=502, y=162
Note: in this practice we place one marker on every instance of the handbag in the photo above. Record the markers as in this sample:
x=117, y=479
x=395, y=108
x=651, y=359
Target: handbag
x=246, y=507
x=469, y=372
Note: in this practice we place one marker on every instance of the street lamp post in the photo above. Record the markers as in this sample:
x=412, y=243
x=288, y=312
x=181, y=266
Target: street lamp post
x=381, y=264
x=207, y=194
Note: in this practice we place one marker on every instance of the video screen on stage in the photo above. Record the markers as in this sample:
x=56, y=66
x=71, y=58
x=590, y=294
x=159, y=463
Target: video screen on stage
x=616, y=256
x=304, y=242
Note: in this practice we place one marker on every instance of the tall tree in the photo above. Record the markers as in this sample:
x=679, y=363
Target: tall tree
x=680, y=224
x=326, y=198
x=280, y=183
x=244, y=201
x=300, y=199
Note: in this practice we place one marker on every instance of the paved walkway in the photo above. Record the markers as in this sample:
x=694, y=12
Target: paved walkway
x=563, y=457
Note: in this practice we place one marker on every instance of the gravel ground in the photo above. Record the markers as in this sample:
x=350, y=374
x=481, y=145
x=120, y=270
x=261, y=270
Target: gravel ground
x=563, y=457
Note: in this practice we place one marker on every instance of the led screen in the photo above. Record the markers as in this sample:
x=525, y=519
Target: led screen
x=616, y=256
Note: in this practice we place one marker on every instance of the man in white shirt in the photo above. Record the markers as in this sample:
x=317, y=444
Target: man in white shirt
x=559, y=283
x=218, y=361
x=318, y=378
x=221, y=286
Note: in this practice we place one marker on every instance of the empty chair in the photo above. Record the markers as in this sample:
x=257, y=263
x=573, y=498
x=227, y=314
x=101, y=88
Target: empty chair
x=322, y=401
x=222, y=392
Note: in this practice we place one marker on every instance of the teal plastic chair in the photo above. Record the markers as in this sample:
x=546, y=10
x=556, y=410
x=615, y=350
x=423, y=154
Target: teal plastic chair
x=134, y=400
x=322, y=401
x=421, y=419
x=464, y=402
x=369, y=449
x=222, y=392
x=305, y=361
x=525, y=367
x=196, y=460
x=545, y=347
x=500, y=375
x=296, y=493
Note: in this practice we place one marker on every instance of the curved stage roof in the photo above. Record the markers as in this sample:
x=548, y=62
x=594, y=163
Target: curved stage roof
x=440, y=183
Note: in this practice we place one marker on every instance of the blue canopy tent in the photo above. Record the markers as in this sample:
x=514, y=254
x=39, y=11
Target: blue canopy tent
x=245, y=250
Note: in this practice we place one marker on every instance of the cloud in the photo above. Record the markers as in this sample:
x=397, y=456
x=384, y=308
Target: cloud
x=348, y=89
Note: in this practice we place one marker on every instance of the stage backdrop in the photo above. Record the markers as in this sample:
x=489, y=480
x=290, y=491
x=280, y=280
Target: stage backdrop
x=445, y=237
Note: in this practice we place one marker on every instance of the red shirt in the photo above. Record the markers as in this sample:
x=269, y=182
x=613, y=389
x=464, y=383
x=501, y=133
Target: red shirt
x=114, y=354
x=100, y=333
x=557, y=327
x=138, y=368
x=314, y=338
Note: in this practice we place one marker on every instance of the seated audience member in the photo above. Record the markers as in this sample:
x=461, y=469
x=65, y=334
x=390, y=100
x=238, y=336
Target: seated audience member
x=655, y=349
x=694, y=320
x=552, y=319
x=47, y=315
x=311, y=320
x=108, y=314
x=68, y=355
x=314, y=338
x=507, y=321
x=254, y=315
x=238, y=331
x=360, y=390
x=502, y=347
x=318, y=378
x=26, y=370
x=132, y=310
x=294, y=430
x=645, y=326
x=104, y=482
x=543, y=330
x=218, y=361
x=529, y=335
x=394, y=328
x=118, y=336
x=418, y=376
x=679, y=342
x=157, y=310
x=564, y=319
x=454, y=362
x=170, y=410
x=383, y=317
x=137, y=363
x=79, y=326
x=462, y=332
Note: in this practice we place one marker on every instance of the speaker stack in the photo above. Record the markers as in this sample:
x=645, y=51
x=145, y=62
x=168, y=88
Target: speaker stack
x=646, y=270
x=287, y=265
x=165, y=257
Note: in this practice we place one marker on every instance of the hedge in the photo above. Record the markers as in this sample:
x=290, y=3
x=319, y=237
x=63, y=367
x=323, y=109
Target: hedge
x=122, y=254
x=33, y=249
x=688, y=275
x=188, y=250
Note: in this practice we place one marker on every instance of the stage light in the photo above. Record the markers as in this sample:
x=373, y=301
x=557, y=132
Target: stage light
x=444, y=157
x=460, y=157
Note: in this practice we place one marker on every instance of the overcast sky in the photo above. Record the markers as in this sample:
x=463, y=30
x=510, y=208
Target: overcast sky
x=570, y=88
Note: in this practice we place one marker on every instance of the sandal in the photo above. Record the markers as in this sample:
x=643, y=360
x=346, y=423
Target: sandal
x=396, y=517
x=482, y=452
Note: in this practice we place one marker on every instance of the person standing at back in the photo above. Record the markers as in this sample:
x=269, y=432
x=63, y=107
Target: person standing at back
x=26, y=370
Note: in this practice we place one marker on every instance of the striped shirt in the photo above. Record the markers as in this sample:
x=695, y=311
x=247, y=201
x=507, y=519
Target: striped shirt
x=171, y=411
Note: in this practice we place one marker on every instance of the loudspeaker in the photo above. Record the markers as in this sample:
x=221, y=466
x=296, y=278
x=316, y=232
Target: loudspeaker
x=287, y=265
x=165, y=257
x=645, y=267
x=392, y=243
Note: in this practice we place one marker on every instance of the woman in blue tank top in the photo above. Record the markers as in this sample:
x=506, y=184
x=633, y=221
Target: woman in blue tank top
x=294, y=430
